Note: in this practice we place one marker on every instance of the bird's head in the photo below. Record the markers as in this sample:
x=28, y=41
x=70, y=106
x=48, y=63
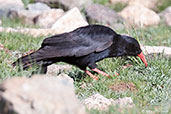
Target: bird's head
x=132, y=48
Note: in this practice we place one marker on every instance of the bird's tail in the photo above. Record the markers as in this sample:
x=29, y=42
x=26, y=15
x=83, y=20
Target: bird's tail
x=29, y=60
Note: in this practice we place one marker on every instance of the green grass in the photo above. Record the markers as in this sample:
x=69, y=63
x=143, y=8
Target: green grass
x=16, y=22
x=153, y=83
x=103, y=2
x=159, y=36
x=162, y=5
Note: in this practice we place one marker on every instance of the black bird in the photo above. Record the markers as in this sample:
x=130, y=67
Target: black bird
x=83, y=47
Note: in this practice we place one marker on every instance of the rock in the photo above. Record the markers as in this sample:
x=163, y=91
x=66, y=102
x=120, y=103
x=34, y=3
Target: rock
x=151, y=4
x=156, y=50
x=55, y=69
x=99, y=102
x=8, y=5
x=66, y=77
x=168, y=19
x=101, y=14
x=166, y=16
x=38, y=95
x=68, y=4
x=28, y=15
x=11, y=4
x=124, y=102
x=70, y=21
x=166, y=11
x=139, y=16
x=38, y=7
x=48, y=18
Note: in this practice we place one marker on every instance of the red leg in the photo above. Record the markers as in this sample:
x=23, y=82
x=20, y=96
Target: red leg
x=100, y=72
x=91, y=75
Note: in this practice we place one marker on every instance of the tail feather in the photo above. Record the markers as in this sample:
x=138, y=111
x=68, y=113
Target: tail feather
x=29, y=60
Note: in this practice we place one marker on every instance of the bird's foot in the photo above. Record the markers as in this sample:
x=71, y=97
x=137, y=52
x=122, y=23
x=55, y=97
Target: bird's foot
x=101, y=72
x=91, y=75
x=116, y=74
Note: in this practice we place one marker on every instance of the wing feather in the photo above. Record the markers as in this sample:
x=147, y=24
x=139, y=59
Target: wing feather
x=79, y=42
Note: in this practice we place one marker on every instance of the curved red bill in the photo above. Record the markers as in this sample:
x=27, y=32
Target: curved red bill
x=142, y=57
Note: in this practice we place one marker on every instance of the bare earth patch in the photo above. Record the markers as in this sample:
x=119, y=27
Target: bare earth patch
x=123, y=86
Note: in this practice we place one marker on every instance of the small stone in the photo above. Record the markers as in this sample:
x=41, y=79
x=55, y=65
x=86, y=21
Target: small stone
x=40, y=94
x=70, y=21
x=65, y=77
x=48, y=18
x=55, y=69
x=138, y=15
x=7, y=5
x=104, y=15
x=151, y=4
x=166, y=16
x=99, y=102
x=124, y=102
x=38, y=7
x=168, y=19
x=68, y=4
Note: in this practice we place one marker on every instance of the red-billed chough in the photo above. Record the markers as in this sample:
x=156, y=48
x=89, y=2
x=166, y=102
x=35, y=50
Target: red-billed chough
x=83, y=47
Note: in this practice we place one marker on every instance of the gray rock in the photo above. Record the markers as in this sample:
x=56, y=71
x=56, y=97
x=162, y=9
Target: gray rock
x=151, y=4
x=166, y=11
x=99, y=102
x=38, y=95
x=66, y=77
x=11, y=4
x=28, y=16
x=7, y=5
x=166, y=16
x=68, y=4
x=55, y=69
x=38, y=7
x=104, y=15
x=48, y=18
x=70, y=21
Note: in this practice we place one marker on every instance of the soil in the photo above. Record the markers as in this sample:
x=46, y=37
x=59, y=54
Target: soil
x=123, y=86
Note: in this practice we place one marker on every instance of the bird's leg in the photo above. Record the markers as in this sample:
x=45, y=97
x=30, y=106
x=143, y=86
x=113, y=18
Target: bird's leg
x=91, y=75
x=100, y=72
x=103, y=73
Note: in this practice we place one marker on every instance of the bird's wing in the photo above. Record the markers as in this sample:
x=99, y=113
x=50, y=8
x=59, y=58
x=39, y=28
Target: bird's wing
x=77, y=43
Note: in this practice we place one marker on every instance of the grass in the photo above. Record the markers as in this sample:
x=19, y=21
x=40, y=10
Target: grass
x=16, y=22
x=159, y=36
x=162, y=4
x=153, y=83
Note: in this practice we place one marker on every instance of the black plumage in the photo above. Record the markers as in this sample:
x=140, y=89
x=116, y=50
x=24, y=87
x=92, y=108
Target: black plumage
x=82, y=47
